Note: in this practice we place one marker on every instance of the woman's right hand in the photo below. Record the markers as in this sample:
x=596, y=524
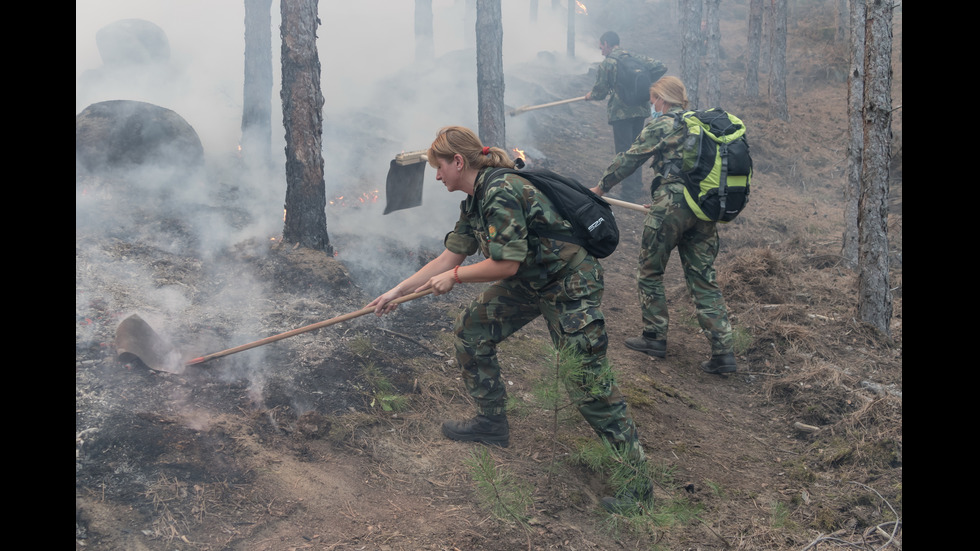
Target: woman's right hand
x=382, y=305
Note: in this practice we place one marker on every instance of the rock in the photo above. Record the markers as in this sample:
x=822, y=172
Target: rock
x=124, y=134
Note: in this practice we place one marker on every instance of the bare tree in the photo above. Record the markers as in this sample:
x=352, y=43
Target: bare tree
x=855, y=148
x=874, y=296
x=570, y=35
x=755, y=47
x=713, y=56
x=424, y=43
x=302, y=112
x=257, y=96
x=691, y=48
x=490, y=72
x=778, y=107
x=842, y=22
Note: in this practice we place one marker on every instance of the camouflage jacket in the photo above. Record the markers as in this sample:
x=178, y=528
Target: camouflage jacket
x=605, y=84
x=660, y=140
x=499, y=219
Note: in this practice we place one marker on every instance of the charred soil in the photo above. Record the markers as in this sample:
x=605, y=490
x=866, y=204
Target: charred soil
x=331, y=440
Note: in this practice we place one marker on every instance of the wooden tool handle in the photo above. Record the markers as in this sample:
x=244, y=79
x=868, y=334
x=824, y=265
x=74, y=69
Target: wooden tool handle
x=308, y=328
x=624, y=204
x=526, y=108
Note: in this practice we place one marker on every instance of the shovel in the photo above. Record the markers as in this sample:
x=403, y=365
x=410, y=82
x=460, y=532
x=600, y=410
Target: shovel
x=527, y=108
x=403, y=189
x=136, y=339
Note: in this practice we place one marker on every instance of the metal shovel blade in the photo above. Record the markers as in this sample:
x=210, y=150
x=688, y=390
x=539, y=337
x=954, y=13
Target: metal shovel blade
x=135, y=339
x=403, y=188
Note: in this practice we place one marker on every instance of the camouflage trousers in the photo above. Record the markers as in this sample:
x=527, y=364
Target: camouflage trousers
x=571, y=306
x=671, y=224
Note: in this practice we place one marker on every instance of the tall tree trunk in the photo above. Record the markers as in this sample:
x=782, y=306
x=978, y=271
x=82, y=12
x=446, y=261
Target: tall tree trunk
x=490, y=72
x=691, y=49
x=778, y=107
x=533, y=15
x=424, y=43
x=257, y=95
x=875, y=298
x=570, y=35
x=755, y=47
x=302, y=112
x=713, y=57
x=855, y=148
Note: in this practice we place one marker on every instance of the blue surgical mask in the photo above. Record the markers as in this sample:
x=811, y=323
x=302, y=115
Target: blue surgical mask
x=654, y=113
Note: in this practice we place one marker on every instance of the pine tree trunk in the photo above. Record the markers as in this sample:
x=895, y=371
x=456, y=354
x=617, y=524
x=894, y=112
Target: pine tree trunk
x=691, y=49
x=755, y=47
x=713, y=57
x=490, y=72
x=875, y=300
x=855, y=148
x=257, y=95
x=778, y=107
x=840, y=37
x=302, y=110
x=570, y=35
x=424, y=42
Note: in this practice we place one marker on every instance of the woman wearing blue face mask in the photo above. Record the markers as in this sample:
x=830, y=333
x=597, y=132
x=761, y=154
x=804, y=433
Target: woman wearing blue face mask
x=671, y=224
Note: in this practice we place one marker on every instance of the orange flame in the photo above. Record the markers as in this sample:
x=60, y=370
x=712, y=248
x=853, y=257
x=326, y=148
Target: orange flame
x=580, y=8
x=519, y=154
x=364, y=198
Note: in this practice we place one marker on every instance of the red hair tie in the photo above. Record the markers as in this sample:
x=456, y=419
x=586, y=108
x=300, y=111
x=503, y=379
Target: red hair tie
x=486, y=150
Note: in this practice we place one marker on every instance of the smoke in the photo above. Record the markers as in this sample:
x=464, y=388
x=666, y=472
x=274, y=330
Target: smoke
x=379, y=101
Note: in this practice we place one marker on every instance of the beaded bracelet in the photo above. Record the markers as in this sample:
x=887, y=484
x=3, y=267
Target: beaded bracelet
x=456, y=274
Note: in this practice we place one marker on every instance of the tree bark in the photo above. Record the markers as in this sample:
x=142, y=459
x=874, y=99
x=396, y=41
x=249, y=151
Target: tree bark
x=875, y=299
x=778, y=107
x=691, y=49
x=490, y=72
x=302, y=109
x=424, y=42
x=713, y=57
x=855, y=148
x=755, y=47
x=257, y=95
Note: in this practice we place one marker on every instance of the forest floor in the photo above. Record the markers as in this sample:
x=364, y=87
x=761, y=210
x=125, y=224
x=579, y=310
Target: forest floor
x=331, y=439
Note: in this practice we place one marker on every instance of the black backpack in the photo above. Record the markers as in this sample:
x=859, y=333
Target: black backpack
x=593, y=224
x=633, y=80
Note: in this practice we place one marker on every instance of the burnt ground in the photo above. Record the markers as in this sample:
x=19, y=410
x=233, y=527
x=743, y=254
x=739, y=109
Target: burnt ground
x=330, y=440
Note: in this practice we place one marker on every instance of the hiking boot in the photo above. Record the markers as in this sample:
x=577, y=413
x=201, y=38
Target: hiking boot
x=489, y=429
x=631, y=502
x=653, y=347
x=720, y=364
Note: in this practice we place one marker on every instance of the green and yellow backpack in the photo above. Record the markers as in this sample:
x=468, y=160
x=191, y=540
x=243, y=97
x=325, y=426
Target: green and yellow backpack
x=715, y=164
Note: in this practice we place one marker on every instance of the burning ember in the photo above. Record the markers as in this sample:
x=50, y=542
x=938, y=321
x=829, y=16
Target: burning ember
x=362, y=199
x=580, y=8
x=519, y=154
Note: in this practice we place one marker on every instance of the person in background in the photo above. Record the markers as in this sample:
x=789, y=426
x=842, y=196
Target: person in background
x=530, y=276
x=671, y=224
x=626, y=121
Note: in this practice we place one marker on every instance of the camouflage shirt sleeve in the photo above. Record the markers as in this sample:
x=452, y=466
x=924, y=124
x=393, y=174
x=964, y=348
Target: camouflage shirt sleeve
x=605, y=79
x=658, y=140
x=462, y=240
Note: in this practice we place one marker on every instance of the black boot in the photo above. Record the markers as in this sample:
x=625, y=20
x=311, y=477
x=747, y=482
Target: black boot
x=489, y=429
x=720, y=364
x=653, y=347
